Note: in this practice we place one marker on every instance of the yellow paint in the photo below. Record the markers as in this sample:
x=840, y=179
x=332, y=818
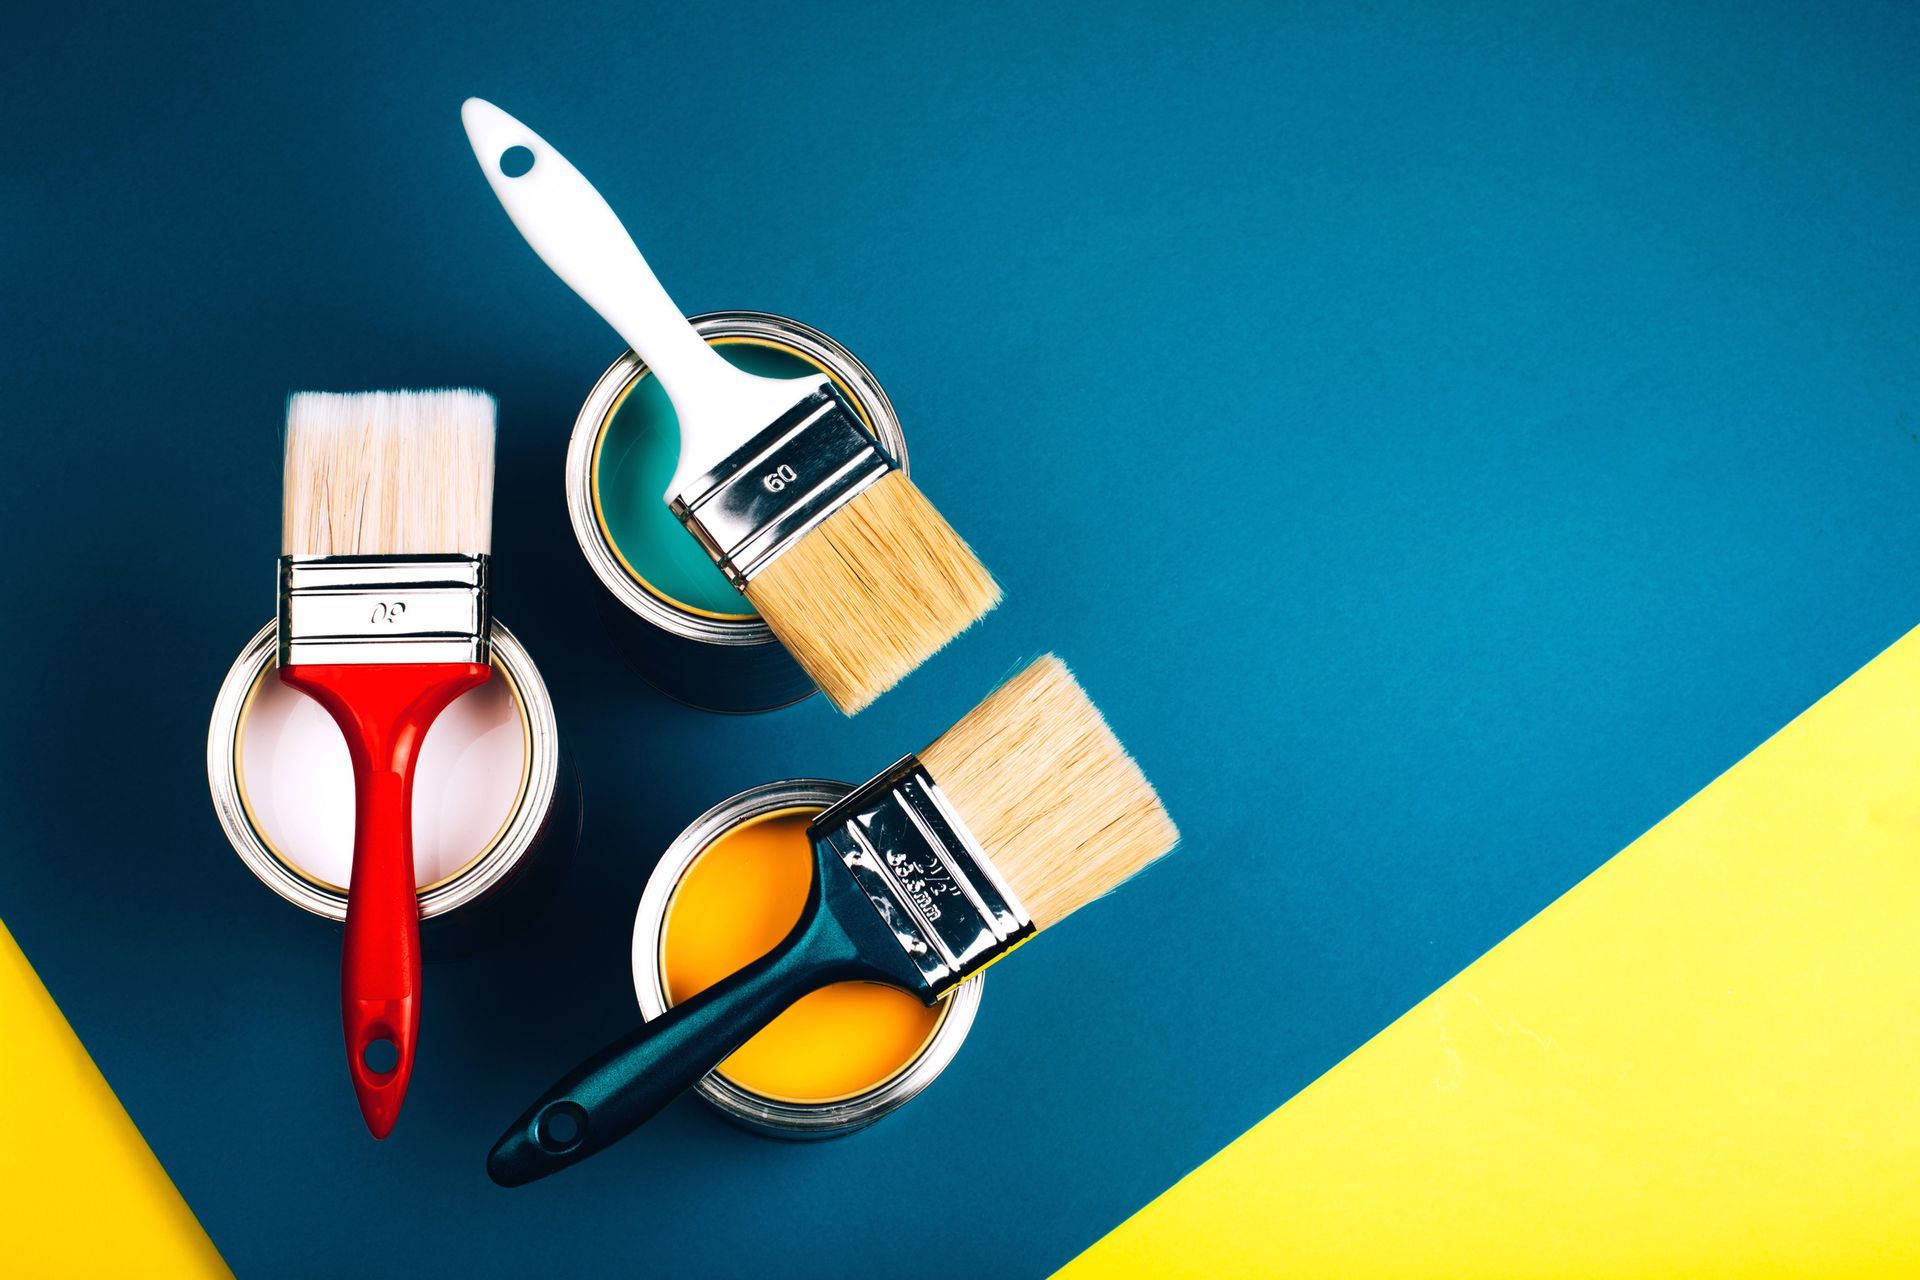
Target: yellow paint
x=1702, y=1062
x=739, y=898
x=80, y=1193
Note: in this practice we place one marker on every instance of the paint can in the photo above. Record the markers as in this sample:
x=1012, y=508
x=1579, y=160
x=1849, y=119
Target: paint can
x=673, y=614
x=496, y=804
x=789, y=1092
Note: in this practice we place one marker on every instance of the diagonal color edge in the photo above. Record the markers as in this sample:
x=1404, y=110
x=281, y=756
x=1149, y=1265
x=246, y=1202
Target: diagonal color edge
x=1702, y=1061
x=80, y=1192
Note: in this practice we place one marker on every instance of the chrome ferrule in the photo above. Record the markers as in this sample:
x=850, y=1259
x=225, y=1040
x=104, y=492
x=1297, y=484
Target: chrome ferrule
x=779, y=486
x=925, y=874
x=367, y=609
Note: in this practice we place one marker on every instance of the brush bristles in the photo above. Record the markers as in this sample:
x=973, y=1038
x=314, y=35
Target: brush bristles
x=388, y=473
x=875, y=591
x=1056, y=803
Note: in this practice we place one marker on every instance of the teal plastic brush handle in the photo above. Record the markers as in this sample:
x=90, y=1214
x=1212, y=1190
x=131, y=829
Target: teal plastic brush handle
x=840, y=937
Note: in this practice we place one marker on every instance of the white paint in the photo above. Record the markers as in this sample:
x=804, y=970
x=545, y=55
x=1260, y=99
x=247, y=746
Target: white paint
x=296, y=779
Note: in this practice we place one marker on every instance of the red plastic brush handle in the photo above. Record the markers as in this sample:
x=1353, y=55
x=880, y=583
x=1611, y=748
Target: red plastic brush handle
x=384, y=711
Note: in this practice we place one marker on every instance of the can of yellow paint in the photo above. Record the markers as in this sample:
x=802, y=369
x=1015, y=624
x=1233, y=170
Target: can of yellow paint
x=728, y=888
x=674, y=615
x=496, y=806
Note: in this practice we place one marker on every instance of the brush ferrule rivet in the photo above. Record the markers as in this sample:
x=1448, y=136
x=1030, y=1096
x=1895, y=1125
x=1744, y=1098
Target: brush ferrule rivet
x=925, y=874
x=368, y=609
x=780, y=485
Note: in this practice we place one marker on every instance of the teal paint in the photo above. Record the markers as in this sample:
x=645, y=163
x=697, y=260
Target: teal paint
x=634, y=465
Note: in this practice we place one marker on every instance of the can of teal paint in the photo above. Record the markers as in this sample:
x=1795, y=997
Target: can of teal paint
x=496, y=804
x=674, y=614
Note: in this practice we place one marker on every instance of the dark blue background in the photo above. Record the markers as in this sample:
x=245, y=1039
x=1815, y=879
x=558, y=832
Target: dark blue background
x=1441, y=438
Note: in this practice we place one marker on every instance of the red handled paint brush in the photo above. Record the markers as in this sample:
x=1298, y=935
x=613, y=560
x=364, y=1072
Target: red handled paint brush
x=384, y=622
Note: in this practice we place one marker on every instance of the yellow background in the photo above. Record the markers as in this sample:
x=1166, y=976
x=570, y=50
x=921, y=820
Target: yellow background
x=80, y=1193
x=1703, y=1061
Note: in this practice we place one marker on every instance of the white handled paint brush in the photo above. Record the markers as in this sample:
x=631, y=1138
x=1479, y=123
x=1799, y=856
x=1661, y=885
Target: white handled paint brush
x=388, y=515
x=1021, y=814
x=798, y=505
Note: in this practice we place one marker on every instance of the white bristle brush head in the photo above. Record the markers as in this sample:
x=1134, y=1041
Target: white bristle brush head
x=1055, y=802
x=388, y=473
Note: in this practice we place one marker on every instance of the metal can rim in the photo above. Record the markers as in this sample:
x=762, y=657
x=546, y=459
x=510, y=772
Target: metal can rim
x=503, y=854
x=590, y=424
x=755, y=1111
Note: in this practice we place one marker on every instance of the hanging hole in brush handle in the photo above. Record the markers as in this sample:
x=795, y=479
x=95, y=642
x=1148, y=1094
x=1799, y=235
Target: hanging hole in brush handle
x=381, y=1037
x=380, y=1056
x=516, y=162
x=632, y=1080
x=561, y=1127
x=577, y=235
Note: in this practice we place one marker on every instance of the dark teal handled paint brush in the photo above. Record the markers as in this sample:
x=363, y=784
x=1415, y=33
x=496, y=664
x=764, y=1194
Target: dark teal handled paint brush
x=1026, y=810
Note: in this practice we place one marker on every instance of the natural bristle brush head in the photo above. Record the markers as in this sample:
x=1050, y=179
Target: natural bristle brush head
x=388, y=473
x=1057, y=805
x=877, y=589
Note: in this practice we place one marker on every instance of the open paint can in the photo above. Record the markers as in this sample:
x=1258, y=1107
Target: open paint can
x=496, y=808
x=730, y=887
x=674, y=614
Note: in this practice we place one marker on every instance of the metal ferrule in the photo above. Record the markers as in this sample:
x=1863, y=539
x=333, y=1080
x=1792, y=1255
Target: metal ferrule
x=925, y=874
x=776, y=488
x=367, y=609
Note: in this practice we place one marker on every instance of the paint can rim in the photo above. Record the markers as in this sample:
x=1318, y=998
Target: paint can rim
x=758, y=1112
x=609, y=566
x=517, y=837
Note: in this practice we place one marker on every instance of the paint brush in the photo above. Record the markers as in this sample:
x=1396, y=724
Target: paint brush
x=803, y=510
x=388, y=513
x=1022, y=813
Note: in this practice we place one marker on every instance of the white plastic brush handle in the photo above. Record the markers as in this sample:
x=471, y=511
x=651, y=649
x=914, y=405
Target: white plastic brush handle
x=570, y=226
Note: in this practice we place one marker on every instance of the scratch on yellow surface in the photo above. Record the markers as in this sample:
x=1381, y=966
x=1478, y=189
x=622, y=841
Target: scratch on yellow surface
x=1702, y=1061
x=80, y=1193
